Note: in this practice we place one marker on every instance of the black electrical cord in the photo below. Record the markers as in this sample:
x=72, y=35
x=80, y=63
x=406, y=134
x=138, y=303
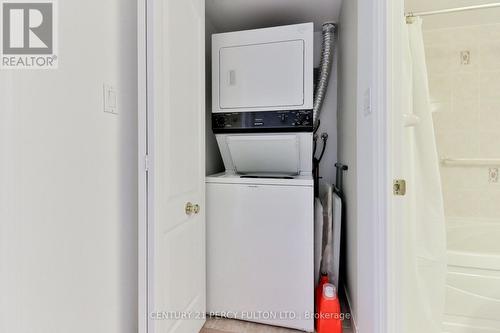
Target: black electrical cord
x=315, y=144
x=322, y=152
x=324, y=137
x=316, y=161
x=317, y=127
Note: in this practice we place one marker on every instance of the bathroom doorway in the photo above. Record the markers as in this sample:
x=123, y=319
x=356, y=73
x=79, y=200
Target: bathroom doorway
x=446, y=108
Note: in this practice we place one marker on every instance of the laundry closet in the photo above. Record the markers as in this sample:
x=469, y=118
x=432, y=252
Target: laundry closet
x=243, y=205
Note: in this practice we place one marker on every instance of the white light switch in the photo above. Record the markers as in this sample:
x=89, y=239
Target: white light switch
x=110, y=99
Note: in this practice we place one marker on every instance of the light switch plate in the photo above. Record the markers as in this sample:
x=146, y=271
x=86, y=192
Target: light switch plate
x=110, y=99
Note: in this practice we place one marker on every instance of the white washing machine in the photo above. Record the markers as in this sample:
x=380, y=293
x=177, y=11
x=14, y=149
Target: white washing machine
x=260, y=212
x=260, y=230
x=260, y=257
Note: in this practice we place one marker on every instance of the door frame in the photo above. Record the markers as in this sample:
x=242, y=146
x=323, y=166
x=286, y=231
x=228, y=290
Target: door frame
x=145, y=170
x=391, y=14
x=386, y=214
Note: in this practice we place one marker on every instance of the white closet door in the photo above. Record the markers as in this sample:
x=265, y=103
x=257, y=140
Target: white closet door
x=176, y=70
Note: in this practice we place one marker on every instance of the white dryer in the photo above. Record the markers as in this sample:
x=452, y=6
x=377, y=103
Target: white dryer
x=263, y=69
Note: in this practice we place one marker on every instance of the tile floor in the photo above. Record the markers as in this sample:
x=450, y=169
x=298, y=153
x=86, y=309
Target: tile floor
x=220, y=325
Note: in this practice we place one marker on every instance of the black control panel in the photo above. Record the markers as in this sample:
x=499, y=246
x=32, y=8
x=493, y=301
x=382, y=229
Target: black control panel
x=264, y=121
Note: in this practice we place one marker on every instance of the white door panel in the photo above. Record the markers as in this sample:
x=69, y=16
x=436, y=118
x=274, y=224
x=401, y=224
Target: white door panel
x=176, y=240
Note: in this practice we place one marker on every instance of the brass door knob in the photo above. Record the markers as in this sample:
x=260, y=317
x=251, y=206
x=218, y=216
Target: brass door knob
x=192, y=208
x=189, y=208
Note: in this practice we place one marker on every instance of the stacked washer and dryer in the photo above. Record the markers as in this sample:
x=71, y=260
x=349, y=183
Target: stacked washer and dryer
x=260, y=211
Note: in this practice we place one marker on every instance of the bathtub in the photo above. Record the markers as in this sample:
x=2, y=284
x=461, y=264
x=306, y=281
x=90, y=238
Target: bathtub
x=473, y=281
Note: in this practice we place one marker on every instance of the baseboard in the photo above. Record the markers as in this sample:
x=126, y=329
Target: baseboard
x=354, y=326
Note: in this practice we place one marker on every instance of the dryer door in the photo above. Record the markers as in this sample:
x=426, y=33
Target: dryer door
x=269, y=75
x=263, y=69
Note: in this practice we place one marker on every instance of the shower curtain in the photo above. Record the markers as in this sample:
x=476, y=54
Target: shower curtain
x=425, y=236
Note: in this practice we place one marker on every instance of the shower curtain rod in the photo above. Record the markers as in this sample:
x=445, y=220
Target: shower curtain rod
x=453, y=10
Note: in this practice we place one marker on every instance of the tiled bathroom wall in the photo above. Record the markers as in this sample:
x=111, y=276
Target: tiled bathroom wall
x=464, y=82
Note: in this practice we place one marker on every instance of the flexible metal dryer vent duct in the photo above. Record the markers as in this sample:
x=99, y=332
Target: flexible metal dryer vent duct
x=325, y=68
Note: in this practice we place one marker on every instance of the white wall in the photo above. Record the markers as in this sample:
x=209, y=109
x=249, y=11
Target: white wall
x=360, y=137
x=348, y=74
x=369, y=174
x=68, y=202
x=243, y=14
x=466, y=107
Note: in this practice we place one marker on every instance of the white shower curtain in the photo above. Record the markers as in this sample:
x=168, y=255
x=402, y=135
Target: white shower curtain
x=425, y=238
